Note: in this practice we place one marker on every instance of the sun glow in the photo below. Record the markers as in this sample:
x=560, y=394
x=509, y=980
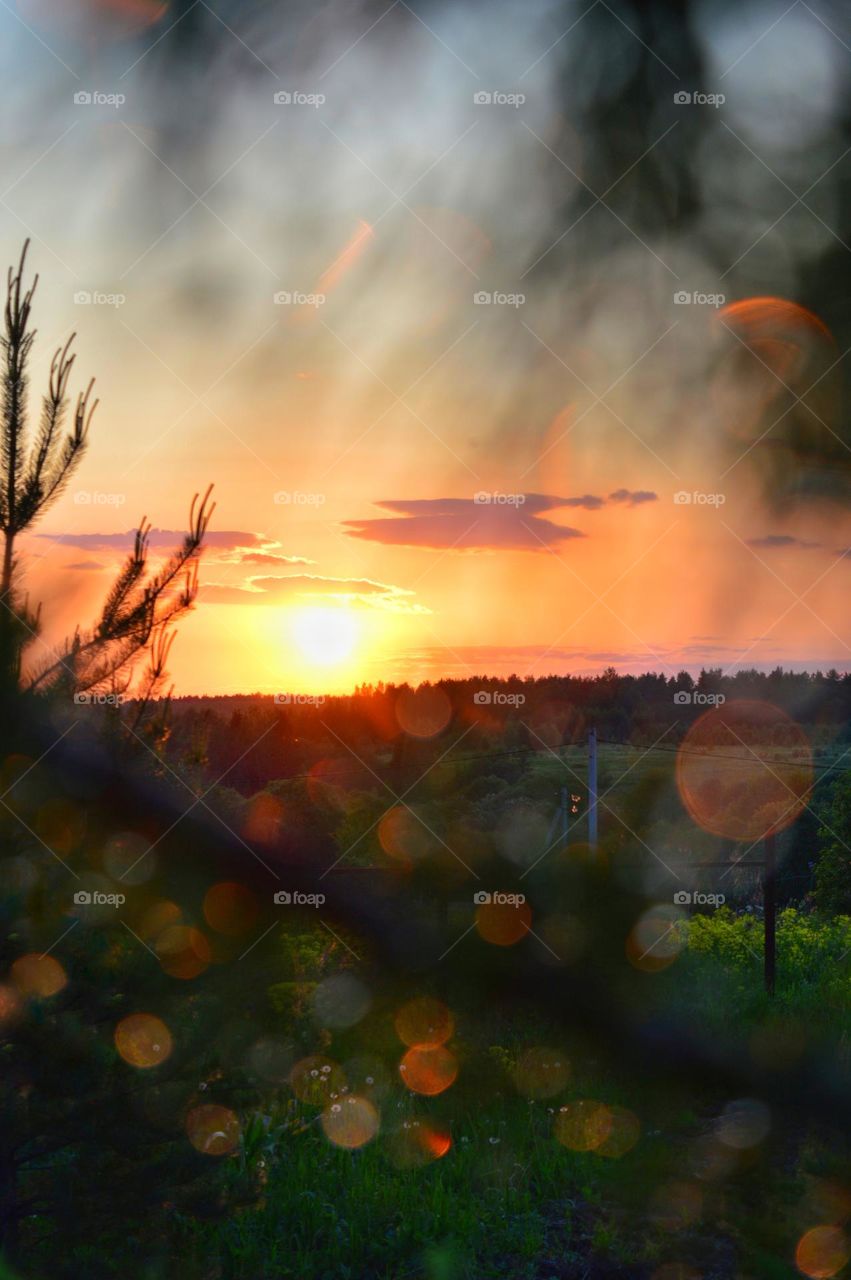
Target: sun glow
x=325, y=637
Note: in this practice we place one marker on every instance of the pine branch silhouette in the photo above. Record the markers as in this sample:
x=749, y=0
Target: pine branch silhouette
x=140, y=607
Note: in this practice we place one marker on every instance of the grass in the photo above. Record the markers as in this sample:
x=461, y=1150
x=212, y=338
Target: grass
x=509, y=1200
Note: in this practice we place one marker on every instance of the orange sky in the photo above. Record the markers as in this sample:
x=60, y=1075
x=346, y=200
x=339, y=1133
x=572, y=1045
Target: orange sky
x=291, y=313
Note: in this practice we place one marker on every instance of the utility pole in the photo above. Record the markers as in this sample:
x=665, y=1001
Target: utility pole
x=592, y=789
x=564, y=817
x=769, y=902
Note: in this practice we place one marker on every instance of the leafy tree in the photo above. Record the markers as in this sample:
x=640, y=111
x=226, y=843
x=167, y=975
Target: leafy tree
x=833, y=873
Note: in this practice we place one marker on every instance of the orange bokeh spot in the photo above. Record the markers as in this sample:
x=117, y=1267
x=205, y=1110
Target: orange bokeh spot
x=183, y=951
x=143, y=1040
x=744, y=769
x=773, y=348
x=624, y=1132
x=264, y=818
x=61, y=825
x=36, y=975
x=503, y=923
x=675, y=1205
x=428, y=1070
x=230, y=908
x=317, y=1080
x=423, y=712
x=418, y=1143
x=541, y=1073
x=330, y=780
x=656, y=939
x=425, y=1022
x=350, y=1122
x=10, y=1004
x=583, y=1125
x=403, y=837
x=822, y=1251
x=213, y=1130
x=159, y=917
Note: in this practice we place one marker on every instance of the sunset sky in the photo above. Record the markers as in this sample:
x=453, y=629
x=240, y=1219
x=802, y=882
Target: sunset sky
x=409, y=482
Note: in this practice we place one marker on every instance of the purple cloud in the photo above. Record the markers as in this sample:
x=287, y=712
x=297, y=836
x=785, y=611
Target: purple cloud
x=633, y=497
x=159, y=539
x=508, y=522
x=486, y=522
x=775, y=540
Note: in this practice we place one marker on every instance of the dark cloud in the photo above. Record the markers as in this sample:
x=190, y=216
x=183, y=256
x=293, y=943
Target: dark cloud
x=159, y=539
x=777, y=540
x=470, y=524
x=633, y=497
x=486, y=522
x=85, y=564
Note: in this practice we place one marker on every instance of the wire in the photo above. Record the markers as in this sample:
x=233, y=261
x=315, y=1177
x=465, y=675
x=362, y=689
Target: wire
x=580, y=747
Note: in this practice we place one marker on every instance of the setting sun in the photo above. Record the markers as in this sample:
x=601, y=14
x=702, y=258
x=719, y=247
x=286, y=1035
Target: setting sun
x=325, y=637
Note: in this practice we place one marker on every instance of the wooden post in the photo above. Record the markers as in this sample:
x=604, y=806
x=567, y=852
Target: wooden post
x=769, y=901
x=564, y=816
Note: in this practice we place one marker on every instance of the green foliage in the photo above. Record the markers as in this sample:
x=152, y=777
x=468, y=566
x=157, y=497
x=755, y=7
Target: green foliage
x=833, y=874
